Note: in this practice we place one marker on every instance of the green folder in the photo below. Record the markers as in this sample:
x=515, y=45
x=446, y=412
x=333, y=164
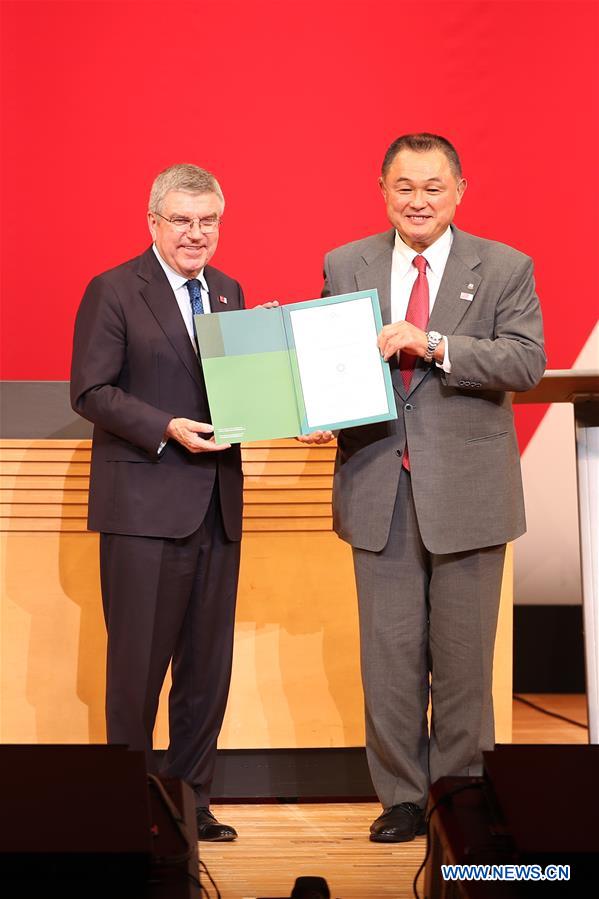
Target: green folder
x=279, y=372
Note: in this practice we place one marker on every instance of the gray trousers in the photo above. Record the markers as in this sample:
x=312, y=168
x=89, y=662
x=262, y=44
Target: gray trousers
x=425, y=620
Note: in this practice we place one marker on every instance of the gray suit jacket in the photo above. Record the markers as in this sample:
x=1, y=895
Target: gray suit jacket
x=464, y=456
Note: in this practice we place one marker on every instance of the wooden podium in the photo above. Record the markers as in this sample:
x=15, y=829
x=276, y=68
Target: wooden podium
x=581, y=388
x=296, y=674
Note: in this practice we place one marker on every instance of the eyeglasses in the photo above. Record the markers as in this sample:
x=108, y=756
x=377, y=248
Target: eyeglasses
x=180, y=223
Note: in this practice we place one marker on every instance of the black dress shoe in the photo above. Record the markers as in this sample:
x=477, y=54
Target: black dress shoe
x=212, y=830
x=398, y=824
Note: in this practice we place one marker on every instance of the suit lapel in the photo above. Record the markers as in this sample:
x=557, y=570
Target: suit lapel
x=219, y=302
x=216, y=304
x=376, y=272
x=159, y=297
x=458, y=278
x=450, y=306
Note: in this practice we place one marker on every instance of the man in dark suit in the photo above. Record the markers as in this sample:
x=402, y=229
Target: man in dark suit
x=166, y=499
x=429, y=501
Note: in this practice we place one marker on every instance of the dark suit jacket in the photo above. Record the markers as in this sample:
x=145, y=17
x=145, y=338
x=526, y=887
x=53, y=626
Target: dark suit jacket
x=134, y=368
x=464, y=458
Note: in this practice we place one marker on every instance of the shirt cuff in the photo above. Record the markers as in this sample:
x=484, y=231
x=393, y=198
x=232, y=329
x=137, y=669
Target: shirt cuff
x=161, y=447
x=446, y=364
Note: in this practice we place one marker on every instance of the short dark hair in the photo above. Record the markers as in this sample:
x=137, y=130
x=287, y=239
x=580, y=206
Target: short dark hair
x=422, y=143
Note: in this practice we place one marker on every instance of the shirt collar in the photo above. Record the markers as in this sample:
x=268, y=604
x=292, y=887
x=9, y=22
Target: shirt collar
x=174, y=278
x=436, y=255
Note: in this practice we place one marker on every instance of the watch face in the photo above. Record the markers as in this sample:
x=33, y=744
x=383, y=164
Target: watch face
x=434, y=339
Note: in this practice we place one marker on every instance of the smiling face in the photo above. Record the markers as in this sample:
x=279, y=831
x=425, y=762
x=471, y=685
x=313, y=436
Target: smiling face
x=421, y=194
x=189, y=251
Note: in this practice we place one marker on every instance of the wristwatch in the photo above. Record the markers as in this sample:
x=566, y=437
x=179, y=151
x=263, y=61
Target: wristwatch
x=434, y=339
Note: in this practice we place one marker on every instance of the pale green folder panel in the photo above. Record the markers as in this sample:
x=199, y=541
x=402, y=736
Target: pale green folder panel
x=248, y=375
x=251, y=397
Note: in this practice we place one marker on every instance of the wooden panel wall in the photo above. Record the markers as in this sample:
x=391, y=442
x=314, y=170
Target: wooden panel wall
x=296, y=676
x=45, y=483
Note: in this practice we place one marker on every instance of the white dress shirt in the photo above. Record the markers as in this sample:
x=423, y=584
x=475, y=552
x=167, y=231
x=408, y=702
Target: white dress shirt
x=178, y=283
x=404, y=274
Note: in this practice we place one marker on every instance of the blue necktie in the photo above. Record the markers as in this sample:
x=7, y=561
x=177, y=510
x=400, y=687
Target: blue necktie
x=195, y=296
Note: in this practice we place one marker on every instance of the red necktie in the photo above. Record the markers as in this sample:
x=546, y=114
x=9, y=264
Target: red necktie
x=417, y=313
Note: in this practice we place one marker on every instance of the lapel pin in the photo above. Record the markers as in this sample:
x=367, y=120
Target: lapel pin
x=470, y=286
x=222, y=299
x=467, y=296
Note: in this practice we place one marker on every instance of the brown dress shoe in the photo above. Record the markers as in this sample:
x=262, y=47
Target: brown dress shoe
x=398, y=824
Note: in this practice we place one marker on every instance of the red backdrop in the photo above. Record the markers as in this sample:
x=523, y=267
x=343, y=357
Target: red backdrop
x=292, y=105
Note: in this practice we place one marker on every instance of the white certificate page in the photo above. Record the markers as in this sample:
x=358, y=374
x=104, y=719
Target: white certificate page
x=339, y=362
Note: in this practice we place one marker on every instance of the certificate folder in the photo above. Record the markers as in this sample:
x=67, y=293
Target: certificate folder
x=303, y=367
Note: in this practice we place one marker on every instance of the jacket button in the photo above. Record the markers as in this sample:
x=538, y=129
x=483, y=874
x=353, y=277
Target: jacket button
x=399, y=452
x=408, y=407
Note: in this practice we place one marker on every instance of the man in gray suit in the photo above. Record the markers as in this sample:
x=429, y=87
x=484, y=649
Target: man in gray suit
x=429, y=501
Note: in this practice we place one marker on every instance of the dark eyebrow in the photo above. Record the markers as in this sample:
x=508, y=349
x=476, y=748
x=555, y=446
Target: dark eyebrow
x=428, y=180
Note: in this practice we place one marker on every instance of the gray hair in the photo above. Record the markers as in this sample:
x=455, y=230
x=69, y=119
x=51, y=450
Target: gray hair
x=183, y=176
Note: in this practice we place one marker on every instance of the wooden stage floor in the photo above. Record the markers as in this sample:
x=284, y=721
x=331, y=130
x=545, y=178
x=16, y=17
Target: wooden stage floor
x=278, y=843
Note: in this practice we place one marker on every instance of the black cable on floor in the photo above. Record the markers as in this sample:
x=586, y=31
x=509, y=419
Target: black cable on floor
x=204, y=868
x=539, y=708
